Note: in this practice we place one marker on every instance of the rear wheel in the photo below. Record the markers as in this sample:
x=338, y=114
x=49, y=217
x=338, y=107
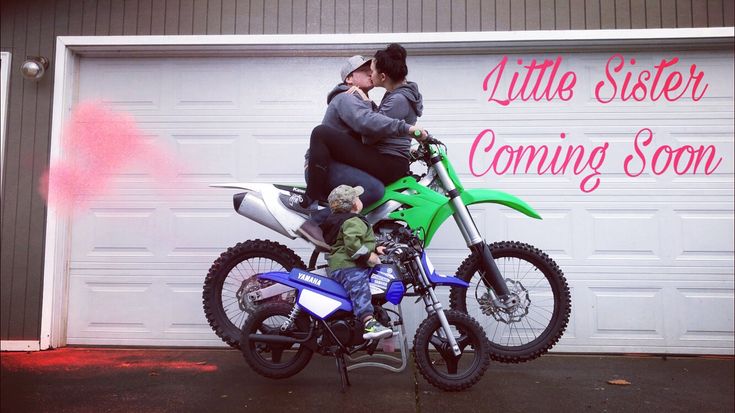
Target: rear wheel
x=233, y=276
x=275, y=360
x=535, y=320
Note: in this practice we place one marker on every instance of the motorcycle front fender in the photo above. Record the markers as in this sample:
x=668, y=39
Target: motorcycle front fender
x=480, y=196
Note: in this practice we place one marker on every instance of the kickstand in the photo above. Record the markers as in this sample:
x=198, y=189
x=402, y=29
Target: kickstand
x=342, y=369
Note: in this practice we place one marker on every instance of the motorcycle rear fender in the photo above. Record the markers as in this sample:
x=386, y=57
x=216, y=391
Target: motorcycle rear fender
x=480, y=196
x=269, y=212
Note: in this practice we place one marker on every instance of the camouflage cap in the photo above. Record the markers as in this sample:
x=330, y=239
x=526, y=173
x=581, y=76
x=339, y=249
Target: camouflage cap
x=342, y=197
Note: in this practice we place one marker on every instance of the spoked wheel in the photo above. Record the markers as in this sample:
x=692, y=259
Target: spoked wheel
x=437, y=362
x=275, y=360
x=535, y=318
x=232, y=277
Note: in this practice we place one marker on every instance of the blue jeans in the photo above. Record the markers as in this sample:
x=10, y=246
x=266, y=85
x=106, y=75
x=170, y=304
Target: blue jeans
x=356, y=282
x=340, y=174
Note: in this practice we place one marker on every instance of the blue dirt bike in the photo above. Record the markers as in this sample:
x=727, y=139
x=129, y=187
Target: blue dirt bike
x=450, y=348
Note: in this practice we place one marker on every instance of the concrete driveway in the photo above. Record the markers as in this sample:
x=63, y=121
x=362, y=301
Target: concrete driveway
x=218, y=380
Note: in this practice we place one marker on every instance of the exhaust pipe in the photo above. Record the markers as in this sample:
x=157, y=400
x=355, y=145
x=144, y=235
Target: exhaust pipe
x=275, y=339
x=251, y=206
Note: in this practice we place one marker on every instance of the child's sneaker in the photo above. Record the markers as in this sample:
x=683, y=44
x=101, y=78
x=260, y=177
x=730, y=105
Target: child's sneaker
x=374, y=330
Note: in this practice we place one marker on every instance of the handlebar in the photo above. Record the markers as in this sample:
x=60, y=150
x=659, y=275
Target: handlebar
x=430, y=140
x=423, y=152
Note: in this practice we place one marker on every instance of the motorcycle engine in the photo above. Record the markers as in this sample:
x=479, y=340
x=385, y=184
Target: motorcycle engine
x=388, y=232
x=348, y=332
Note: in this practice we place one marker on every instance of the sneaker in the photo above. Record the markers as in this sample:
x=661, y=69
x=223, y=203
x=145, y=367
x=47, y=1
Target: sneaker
x=375, y=330
x=294, y=201
x=313, y=234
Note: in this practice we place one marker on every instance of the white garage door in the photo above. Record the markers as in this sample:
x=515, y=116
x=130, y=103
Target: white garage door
x=649, y=259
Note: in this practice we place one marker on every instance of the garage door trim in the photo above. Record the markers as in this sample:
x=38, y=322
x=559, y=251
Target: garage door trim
x=70, y=49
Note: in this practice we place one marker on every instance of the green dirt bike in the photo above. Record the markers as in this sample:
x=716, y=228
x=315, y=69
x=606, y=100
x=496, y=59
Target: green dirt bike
x=516, y=292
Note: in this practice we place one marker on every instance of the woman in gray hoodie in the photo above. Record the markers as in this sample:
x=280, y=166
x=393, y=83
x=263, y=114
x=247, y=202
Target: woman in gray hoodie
x=402, y=99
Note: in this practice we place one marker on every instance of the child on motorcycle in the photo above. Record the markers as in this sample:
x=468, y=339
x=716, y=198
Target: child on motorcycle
x=353, y=252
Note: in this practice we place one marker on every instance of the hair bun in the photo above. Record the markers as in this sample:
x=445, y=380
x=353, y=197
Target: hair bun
x=392, y=62
x=396, y=51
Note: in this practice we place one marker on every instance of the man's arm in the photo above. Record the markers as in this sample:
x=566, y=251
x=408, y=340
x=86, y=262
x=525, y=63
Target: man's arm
x=395, y=107
x=359, y=116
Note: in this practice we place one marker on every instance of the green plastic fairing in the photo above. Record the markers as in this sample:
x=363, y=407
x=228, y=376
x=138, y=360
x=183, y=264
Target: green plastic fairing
x=426, y=210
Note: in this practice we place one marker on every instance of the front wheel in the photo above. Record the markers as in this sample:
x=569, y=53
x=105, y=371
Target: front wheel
x=535, y=318
x=436, y=360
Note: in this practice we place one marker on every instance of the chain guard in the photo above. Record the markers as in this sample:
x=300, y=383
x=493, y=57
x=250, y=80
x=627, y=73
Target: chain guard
x=252, y=284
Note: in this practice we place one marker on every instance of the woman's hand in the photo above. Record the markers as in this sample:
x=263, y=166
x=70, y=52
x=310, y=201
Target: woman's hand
x=355, y=89
x=421, y=136
x=380, y=250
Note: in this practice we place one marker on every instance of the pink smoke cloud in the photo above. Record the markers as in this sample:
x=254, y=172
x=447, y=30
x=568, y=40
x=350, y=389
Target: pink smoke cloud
x=98, y=143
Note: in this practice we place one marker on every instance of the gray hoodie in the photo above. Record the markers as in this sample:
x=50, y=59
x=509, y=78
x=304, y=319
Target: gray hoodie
x=404, y=102
x=351, y=114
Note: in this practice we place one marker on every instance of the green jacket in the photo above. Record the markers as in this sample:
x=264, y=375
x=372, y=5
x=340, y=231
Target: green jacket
x=353, y=244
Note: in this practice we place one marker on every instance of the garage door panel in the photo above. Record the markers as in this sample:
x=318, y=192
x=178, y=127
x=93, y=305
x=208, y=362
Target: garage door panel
x=297, y=86
x=628, y=312
x=209, y=155
x=114, y=308
x=279, y=155
x=705, y=235
x=210, y=88
x=199, y=231
x=142, y=80
x=115, y=232
x=625, y=234
x=554, y=235
x=698, y=309
x=124, y=304
x=183, y=297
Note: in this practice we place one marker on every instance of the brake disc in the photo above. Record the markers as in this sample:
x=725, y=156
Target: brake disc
x=510, y=310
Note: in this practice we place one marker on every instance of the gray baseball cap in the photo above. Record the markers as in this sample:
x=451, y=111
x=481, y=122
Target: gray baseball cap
x=342, y=197
x=352, y=64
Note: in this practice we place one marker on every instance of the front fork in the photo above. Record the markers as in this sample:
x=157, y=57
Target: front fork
x=434, y=306
x=469, y=231
x=491, y=270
